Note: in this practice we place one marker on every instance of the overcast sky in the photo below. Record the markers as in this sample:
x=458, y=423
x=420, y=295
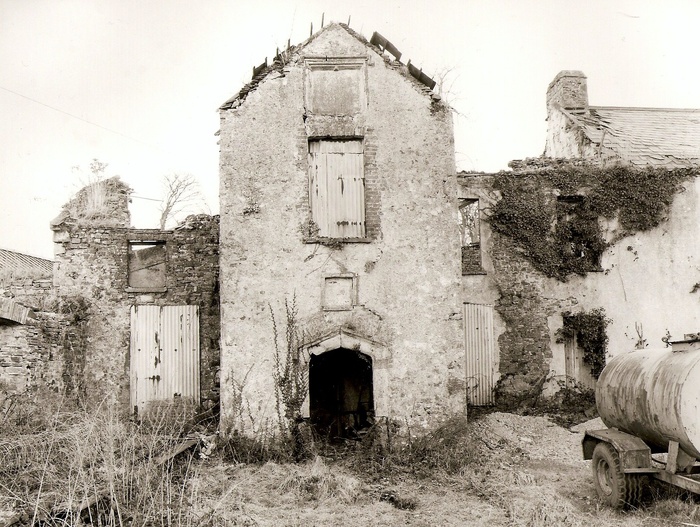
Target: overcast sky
x=137, y=84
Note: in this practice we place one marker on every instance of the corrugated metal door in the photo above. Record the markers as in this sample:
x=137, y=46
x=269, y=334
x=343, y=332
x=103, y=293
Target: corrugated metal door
x=164, y=354
x=337, y=188
x=480, y=351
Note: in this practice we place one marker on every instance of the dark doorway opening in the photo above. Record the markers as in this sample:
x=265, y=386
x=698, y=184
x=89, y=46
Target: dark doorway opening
x=341, y=396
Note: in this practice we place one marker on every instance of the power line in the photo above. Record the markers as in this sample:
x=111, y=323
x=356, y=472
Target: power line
x=80, y=118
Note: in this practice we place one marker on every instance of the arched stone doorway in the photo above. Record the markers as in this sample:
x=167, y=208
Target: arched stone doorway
x=348, y=383
x=341, y=393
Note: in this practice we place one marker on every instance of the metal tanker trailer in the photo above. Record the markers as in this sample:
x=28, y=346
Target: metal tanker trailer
x=650, y=402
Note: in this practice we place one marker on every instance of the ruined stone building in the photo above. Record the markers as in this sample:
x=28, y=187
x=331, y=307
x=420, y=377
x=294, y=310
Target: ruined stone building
x=605, y=224
x=24, y=281
x=403, y=290
x=338, y=190
x=131, y=316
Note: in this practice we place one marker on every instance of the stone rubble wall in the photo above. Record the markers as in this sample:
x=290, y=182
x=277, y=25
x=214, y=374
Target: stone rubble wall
x=93, y=264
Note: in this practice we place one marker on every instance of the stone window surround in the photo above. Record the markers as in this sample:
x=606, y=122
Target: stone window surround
x=346, y=339
x=334, y=63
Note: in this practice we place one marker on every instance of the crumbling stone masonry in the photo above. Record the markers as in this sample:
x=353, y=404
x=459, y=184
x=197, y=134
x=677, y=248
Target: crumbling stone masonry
x=644, y=282
x=377, y=285
x=92, y=250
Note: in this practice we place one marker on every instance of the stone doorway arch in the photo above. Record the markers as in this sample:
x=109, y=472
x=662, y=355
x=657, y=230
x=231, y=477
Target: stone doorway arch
x=348, y=382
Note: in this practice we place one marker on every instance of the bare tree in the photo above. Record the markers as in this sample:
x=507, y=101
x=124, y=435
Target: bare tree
x=445, y=80
x=181, y=192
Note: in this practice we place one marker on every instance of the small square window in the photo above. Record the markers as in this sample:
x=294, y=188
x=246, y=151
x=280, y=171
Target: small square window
x=147, y=266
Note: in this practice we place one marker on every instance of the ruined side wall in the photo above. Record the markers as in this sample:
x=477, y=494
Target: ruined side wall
x=407, y=275
x=649, y=279
x=92, y=265
x=646, y=281
x=522, y=308
x=32, y=293
x=31, y=355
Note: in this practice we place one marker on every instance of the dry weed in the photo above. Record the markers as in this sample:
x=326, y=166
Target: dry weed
x=317, y=481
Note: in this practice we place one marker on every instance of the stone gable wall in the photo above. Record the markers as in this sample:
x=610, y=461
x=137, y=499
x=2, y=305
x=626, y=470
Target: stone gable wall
x=407, y=272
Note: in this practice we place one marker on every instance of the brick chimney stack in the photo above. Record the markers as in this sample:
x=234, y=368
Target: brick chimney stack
x=568, y=90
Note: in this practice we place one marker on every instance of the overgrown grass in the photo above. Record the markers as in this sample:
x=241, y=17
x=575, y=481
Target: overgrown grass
x=56, y=459
x=72, y=466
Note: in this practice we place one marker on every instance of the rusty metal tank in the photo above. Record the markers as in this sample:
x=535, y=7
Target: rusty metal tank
x=654, y=395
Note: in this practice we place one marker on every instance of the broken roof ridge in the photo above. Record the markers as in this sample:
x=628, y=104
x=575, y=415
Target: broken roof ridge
x=282, y=58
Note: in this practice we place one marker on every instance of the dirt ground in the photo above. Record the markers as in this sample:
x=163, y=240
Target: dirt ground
x=517, y=471
x=531, y=474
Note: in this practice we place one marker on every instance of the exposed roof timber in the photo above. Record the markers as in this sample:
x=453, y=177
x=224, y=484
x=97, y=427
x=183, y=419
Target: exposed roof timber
x=260, y=69
x=383, y=44
x=282, y=58
x=422, y=77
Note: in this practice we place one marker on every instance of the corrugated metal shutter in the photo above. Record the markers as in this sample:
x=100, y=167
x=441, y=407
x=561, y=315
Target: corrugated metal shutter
x=164, y=354
x=337, y=188
x=480, y=352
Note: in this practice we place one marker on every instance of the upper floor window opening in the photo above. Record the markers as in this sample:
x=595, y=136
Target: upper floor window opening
x=146, y=261
x=470, y=236
x=336, y=86
x=337, y=188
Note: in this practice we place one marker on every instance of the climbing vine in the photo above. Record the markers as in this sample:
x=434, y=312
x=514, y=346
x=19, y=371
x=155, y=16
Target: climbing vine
x=290, y=374
x=553, y=214
x=589, y=330
x=71, y=336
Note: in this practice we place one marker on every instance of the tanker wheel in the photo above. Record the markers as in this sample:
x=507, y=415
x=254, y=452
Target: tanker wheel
x=614, y=487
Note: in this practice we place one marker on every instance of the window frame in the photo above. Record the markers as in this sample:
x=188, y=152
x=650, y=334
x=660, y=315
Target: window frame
x=146, y=289
x=468, y=250
x=320, y=229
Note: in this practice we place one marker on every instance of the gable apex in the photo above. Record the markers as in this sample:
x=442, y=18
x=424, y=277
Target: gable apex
x=324, y=43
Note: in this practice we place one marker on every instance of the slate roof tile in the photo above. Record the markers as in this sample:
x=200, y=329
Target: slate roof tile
x=646, y=136
x=17, y=262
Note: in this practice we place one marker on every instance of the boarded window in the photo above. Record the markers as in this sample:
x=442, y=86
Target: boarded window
x=337, y=188
x=335, y=88
x=470, y=236
x=147, y=265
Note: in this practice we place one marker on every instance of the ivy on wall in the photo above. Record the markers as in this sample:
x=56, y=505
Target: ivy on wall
x=559, y=245
x=72, y=337
x=589, y=330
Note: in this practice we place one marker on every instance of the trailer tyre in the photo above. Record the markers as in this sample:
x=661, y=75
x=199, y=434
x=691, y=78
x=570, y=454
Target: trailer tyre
x=614, y=487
